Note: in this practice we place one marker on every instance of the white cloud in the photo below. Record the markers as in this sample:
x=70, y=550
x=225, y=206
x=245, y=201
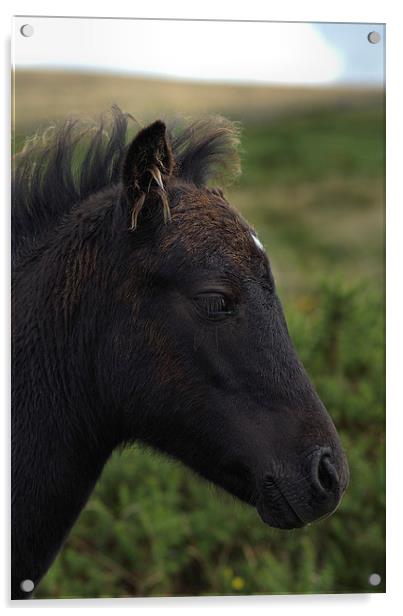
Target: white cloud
x=224, y=51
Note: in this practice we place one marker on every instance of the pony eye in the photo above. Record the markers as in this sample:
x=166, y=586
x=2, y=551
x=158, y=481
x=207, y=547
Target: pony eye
x=213, y=305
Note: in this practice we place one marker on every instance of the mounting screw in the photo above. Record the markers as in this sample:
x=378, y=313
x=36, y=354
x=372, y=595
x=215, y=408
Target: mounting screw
x=374, y=579
x=27, y=585
x=26, y=30
x=374, y=37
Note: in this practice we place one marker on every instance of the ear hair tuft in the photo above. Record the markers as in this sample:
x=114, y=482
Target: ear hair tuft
x=160, y=192
x=136, y=211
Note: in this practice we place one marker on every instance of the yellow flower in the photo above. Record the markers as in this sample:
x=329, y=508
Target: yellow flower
x=238, y=583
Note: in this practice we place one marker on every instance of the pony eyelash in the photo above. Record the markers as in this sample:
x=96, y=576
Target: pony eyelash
x=214, y=305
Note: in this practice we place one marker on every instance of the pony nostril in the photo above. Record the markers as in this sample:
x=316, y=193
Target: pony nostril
x=325, y=475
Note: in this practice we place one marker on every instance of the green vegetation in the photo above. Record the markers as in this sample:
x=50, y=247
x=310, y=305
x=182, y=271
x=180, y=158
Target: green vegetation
x=313, y=189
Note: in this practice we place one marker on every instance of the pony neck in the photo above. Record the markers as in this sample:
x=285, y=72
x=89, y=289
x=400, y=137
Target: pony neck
x=57, y=449
x=51, y=483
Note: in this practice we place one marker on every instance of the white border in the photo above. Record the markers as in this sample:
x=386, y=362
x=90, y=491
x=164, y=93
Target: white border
x=387, y=12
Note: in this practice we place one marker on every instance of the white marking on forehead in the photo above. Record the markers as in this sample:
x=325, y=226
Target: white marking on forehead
x=258, y=242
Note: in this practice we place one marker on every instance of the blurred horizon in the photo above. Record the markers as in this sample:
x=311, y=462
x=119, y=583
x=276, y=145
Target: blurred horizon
x=56, y=94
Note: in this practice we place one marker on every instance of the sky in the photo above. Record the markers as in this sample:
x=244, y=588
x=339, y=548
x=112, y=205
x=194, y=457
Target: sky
x=251, y=52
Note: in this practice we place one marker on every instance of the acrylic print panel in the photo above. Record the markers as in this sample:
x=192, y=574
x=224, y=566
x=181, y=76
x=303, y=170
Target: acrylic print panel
x=181, y=191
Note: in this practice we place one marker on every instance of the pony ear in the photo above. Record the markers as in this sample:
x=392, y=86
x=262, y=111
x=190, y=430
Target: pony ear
x=149, y=161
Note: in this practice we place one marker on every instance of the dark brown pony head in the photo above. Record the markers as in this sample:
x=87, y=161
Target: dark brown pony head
x=179, y=333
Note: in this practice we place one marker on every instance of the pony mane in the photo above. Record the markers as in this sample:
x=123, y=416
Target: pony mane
x=61, y=167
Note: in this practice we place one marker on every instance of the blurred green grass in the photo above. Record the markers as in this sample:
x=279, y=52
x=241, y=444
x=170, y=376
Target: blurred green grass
x=313, y=187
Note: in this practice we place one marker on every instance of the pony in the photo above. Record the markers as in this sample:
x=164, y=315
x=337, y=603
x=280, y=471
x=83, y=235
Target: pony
x=145, y=310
